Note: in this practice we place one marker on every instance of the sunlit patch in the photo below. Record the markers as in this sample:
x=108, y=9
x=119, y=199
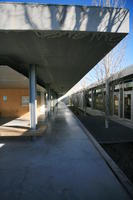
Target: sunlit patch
x=1, y=145
x=42, y=109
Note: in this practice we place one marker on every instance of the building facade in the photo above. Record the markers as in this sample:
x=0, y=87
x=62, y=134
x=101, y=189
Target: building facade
x=14, y=94
x=120, y=95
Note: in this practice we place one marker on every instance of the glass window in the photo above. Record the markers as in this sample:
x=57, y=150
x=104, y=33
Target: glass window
x=116, y=104
x=25, y=100
x=127, y=106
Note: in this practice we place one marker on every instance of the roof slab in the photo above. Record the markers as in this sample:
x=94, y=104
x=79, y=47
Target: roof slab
x=11, y=79
x=65, y=42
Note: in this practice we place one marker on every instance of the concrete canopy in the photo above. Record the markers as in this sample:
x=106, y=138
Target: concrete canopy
x=65, y=42
x=11, y=79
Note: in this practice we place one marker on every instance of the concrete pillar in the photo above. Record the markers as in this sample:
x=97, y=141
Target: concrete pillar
x=107, y=103
x=121, y=103
x=69, y=101
x=112, y=100
x=49, y=100
x=42, y=103
x=84, y=101
x=92, y=99
x=54, y=101
x=81, y=97
x=33, y=100
x=46, y=96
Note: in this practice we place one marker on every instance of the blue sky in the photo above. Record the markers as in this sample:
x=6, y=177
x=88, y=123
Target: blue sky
x=66, y=2
x=129, y=50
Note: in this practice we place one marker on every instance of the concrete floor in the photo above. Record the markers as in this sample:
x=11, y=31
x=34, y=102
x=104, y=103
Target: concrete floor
x=63, y=165
x=15, y=127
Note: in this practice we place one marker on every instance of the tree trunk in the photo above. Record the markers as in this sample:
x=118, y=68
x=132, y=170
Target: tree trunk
x=107, y=104
x=84, y=102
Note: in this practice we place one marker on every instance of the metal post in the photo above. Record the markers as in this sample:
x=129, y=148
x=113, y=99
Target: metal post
x=33, y=101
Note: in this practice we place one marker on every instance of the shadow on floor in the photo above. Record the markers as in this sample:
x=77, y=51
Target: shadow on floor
x=20, y=127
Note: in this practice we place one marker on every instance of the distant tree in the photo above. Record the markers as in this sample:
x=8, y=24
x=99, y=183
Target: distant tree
x=112, y=62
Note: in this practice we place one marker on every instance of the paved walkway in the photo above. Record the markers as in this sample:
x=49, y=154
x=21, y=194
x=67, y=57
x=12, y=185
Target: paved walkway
x=63, y=165
x=16, y=127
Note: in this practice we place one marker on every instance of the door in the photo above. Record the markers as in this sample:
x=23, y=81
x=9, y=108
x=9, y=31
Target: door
x=128, y=105
x=116, y=104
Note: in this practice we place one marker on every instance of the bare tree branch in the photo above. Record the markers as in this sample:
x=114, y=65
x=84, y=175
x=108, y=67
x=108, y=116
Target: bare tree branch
x=112, y=62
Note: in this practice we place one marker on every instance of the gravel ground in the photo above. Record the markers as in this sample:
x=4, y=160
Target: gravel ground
x=117, y=141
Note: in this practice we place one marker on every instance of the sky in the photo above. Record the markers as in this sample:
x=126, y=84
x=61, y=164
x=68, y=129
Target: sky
x=128, y=59
x=63, y=2
x=129, y=50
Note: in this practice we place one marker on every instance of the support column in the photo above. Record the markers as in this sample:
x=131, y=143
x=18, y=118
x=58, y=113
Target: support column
x=69, y=101
x=121, y=103
x=49, y=100
x=51, y=103
x=107, y=104
x=53, y=100
x=84, y=102
x=42, y=103
x=92, y=99
x=33, y=100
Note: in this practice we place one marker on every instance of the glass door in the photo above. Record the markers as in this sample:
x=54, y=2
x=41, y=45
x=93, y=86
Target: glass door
x=116, y=104
x=127, y=105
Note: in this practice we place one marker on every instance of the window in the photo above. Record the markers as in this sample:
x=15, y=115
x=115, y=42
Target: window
x=25, y=101
x=4, y=98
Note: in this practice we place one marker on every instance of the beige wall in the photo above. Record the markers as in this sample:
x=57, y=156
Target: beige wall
x=13, y=107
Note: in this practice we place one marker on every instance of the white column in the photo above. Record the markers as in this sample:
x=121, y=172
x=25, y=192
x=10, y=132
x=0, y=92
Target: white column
x=42, y=103
x=92, y=99
x=107, y=103
x=33, y=100
x=49, y=100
